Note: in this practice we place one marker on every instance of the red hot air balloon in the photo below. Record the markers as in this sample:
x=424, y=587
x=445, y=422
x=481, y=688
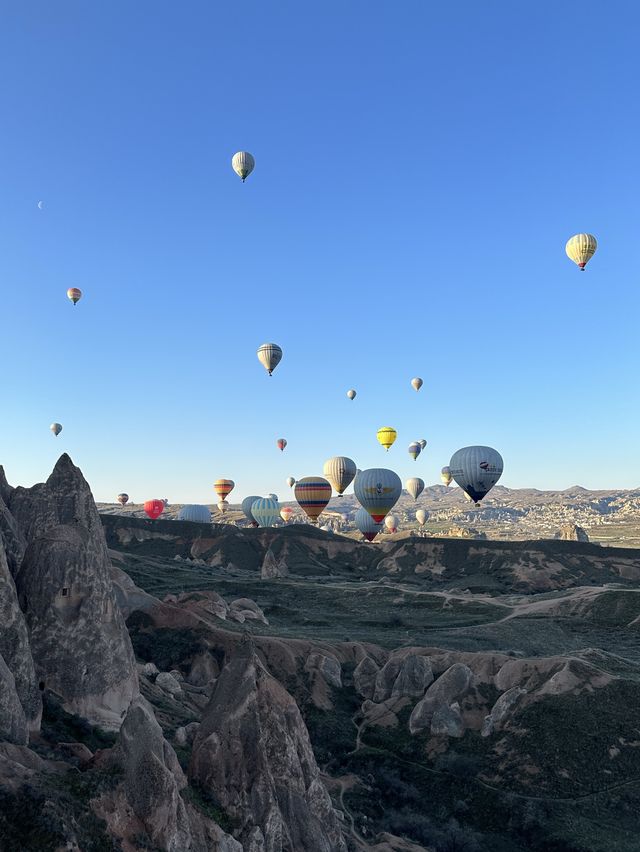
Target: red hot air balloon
x=281, y=443
x=154, y=508
x=74, y=294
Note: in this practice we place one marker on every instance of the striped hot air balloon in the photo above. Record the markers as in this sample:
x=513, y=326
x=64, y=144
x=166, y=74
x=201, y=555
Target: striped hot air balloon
x=123, y=499
x=377, y=490
x=281, y=443
x=386, y=436
x=266, y=511
x=74, y=294
x=312, y=493
x=367, y=526
x=414, y=449
x=581, y=248
x=340, y=471
x=154, y=508
x=223, y=487
x=243, y=164
x=269, y=355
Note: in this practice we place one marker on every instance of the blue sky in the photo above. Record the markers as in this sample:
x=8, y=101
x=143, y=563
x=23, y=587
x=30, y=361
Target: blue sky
x=420, y=166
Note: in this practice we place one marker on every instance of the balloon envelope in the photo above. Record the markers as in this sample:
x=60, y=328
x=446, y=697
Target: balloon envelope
x=243, y=164
x=286, y=513
x=423, y=442
x=291, y=481
x=123, y=499
x=391, y=523
x=445, y=475
x=416, y=383
x=154, y=508
x=269, y=355
x=281, y=443
x=365, y=523
x=272, y=497
x=312, y=493
x=266, y=511
x=386, y=436
x=246, y=505
x=223, y=505
x=581, y=248
x=415, y=486
x=223, y=487
x=422, y=516
x=56, y=428
x=340, y=471
x=414, y=449
x=74, y=294
x=476, y=470
x=377, y=490
x=351, y=394
x=195, y=513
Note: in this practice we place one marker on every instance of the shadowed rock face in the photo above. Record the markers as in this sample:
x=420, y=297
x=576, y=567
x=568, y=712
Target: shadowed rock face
x=78, y=636
x=252, y=752
x=15, y=649
x=13, y=724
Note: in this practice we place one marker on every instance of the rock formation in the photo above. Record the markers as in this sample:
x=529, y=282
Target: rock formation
x=364, y=677
x=572, y=532
x=450, y=686
x=272, y=568
x=252, y=752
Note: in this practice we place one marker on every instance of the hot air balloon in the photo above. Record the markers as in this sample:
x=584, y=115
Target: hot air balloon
x=423, y=442
x=246, y=505
x=581, y=248
x=422, y=516
x=123, y=499
x=223, y=487
x=286, y=513
x=272, y=496
x=414, y=449
x=281, y=443
x=351, y=394
x=195, y=513
x=340, y=471
x=56, y=428
x=391, y=523
x=291, y=481
x=223, y=505
x=312, y=493
x=154, y=508
x=386, y=436
x=165, y=501
x=377, y=490
x=269, y=355
x=266, y=511
x=476, y=470
x=367, y=526
x=416, y=383
x=415, y=486
x=243, y=164
x=445, y=475
x=74, y=294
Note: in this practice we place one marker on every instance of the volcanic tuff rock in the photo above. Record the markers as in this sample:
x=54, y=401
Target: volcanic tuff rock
x=272, y=568
x=15, y=648
x=10, y=535
x=403, y=676
x=572, y=532
x=501, y=709
x=451, y=685
x=327, y=666
x=252, y=752
x=78, y=638
x=13, y=724
x=364, y=677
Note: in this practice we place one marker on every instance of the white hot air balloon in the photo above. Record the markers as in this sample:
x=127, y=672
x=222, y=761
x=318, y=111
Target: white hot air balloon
x=415, y=486
x=367, y=526
x=351, y=394
x=422, y=516
x=246, y=505
x=377, y=490
x=243, y=164
x=416, y=383
x=581, y=248
x=476, y=470
x=391, y=523
x=195, y=513
x=266, y=511
x=445, y=475
x=223, y=505
x=340, y=471
x=272, y=496
x=56, y=428
x=269, y=355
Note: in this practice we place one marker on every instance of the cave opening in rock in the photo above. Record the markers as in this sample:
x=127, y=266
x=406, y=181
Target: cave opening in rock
x=41, y=686
x=65, y=592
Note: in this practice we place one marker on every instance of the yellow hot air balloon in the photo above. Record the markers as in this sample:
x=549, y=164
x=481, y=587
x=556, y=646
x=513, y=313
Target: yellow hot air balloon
x=386, y=436
x=223, y=487
x=581, y=248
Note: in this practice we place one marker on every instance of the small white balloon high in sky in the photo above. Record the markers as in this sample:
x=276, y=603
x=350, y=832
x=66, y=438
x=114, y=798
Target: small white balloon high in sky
x=243, y=164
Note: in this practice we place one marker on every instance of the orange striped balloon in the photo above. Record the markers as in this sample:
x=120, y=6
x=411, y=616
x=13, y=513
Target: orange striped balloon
x=312, y=493
x=74, y=294
x=223, y=487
